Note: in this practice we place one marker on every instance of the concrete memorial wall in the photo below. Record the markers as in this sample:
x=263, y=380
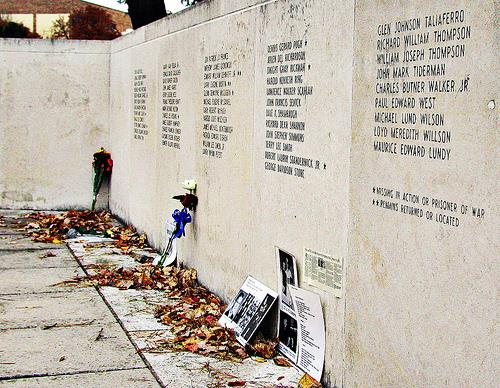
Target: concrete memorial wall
x=422, y=286
x=360, y=137
x=248, y=112
x=302, y=119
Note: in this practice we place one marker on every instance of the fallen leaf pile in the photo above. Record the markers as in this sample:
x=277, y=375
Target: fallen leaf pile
x=194, y=318
x=194, y=321
x=53, y=228
x=194, y=314
x=266, y=348
x=126, y=237
x=145, y=276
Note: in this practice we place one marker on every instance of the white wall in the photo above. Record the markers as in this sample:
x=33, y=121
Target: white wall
x=54, y=113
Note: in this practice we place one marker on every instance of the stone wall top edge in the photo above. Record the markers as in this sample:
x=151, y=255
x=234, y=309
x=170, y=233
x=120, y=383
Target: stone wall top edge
x=55, y=46
x=190, y=17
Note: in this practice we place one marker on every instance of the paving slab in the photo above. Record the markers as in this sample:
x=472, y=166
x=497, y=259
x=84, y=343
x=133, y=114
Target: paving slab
x=10, y=224
x=66, y=350
x=20, y=242
x=89, y=239
x=83, y=250
x=101, y=253
x=104, y=251
x=18, y=213
x=43, y=258
x=131, y=378
x=135, y=308
x=4, y=230
x=22, y=280
x=79, y=308
x=112, y=260
x=185, y=369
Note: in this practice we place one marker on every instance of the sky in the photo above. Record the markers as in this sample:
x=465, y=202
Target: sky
x=170, y=5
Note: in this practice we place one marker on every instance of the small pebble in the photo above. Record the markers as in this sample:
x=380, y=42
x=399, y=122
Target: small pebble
x=72, y=233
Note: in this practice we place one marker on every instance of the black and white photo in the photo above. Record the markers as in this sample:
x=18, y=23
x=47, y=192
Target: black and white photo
x=287, y=276
x=248, y=308
x=257, y=318
x=288, y=332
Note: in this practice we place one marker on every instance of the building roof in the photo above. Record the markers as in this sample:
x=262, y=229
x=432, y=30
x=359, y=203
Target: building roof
x=49, y=6
x=108, y=5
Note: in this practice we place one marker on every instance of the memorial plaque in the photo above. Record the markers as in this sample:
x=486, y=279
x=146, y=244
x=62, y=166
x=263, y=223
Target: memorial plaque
x=421, y=67
x=423, y=235
x=302, y=137
x=178, y=80
x=219, y=70
x=170, y=116
x=287, y=89
x=140, y=111
x=142, y=149
x=222, y=82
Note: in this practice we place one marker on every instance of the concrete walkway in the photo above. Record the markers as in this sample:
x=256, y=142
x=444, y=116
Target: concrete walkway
x=59, y=336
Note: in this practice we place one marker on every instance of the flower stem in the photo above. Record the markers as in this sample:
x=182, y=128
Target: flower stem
x=98, y=178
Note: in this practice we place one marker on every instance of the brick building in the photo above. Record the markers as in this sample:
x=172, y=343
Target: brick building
x=38, y=15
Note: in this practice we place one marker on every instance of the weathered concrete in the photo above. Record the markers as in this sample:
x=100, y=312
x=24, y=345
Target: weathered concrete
x=59, y=336
x=38, y=351
x=134, y=378
x=135, y=311
x=81, y=307
x=15, y=242
x=422, y=290
x=9, y=232
x=39, y=258
x=135, y=308
x=183, y=369
x=24, y=281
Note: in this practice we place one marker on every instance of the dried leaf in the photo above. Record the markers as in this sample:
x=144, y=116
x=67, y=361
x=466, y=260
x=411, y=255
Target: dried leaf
x=48, y=254
x=264, y=347
x=282, y=361
x=308, y=382
x=238, y=383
